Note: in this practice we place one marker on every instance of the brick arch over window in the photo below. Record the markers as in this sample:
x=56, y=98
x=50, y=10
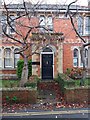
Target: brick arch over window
x=7, y=58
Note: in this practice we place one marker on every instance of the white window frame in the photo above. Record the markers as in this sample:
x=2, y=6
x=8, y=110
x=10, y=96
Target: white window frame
x=12, y=23
x=86, y=25
x=7, y=58
x=1, y=57
x=45, y=23
x=16, y=59
x=80, y=24
x=76, y=58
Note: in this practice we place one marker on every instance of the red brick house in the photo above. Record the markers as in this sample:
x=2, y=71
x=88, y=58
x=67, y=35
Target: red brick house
x=63, y=50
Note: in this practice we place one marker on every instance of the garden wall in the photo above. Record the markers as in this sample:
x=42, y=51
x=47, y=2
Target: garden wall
x=23, y=95
x=77, y=95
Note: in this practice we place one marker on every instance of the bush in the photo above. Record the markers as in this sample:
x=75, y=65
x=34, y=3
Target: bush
x=75, y=73
x=20, y=67
x=65, y=81
x=28, y=84
x=14, y=99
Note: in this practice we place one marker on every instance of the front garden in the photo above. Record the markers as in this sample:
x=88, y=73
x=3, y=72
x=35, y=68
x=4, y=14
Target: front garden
x=67, y=88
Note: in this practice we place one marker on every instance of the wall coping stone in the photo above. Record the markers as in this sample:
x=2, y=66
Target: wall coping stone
x=18, y=89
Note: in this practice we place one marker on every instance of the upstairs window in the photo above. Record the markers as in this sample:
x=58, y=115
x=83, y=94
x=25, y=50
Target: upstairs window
x=46, y=22
x=4, y=24
x=50, y=23
x=42, y=23
x=12, y=23
x=5, y=27
x=7, y=58
x=80, y=25
x=75, y=57
x=87, y=25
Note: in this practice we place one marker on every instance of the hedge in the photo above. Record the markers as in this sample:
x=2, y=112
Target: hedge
x=20, y=64
x=65, y=81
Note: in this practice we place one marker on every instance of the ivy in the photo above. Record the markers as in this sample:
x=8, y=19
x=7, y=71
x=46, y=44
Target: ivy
x=20, y=67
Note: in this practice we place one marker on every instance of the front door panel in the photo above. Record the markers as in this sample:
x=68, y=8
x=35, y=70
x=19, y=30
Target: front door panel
x=47, y=66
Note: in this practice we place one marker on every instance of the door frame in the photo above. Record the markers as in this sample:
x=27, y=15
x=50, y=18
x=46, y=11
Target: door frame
x=41, y=61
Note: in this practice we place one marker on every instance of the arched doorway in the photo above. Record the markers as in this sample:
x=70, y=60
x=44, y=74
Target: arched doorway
x=47, y=64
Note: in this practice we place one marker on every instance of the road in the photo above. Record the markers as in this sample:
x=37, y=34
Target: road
x=80, y=114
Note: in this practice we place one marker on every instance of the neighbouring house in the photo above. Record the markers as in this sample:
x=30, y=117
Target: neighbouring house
x=62, y=47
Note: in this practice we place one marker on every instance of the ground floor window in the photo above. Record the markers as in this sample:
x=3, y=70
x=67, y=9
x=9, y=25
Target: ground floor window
x=16, y=57
x=77, y=61
x=7, y=58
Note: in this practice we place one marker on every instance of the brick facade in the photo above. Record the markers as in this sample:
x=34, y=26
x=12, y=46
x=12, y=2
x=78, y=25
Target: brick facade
x=63, y=56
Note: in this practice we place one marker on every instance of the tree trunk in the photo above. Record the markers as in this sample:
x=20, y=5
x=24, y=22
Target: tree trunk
x=24, y=77
x=84, y=68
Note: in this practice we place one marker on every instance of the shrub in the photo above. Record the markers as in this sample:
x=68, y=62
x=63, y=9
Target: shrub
x=8, y=99
x=65, y=81
x=28, y=84
x=75, y=73
x=20, y=67
x=14, y=99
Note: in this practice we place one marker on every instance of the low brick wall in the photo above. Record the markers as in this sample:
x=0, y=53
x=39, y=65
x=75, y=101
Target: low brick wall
x=24, y=95
x=77, y=95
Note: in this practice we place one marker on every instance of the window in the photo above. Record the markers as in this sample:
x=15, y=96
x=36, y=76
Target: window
x=75, y=57
x=86, y=57
x=5, y=27
x=16, y=57
x=49, y=23
x=80, y=25
x=0, y=58
x=42, y=23
x=87, y=25
x=46, y=22
x=7, y=58
x=12, y=24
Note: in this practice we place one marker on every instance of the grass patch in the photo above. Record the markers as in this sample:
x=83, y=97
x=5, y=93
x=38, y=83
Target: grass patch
x=9, y=83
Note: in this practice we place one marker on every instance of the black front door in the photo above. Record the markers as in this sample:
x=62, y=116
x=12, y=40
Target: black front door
x=47, y=66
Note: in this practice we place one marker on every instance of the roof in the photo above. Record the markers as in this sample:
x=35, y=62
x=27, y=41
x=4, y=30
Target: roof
x=46, y=7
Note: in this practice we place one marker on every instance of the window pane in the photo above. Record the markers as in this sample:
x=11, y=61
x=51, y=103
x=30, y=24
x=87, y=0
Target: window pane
x=12, y=24
x=75, y=62
x=75, y=53
x=75, y=58
x=42, y=20
x=87, y=25
x=16, y=57
x=80, y=25
x=8, y=60
x=42, y=23
x=7, y=52
x=50, y=23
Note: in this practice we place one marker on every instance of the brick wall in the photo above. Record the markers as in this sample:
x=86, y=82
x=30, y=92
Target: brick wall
x=24, y=95
x=77, y=95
